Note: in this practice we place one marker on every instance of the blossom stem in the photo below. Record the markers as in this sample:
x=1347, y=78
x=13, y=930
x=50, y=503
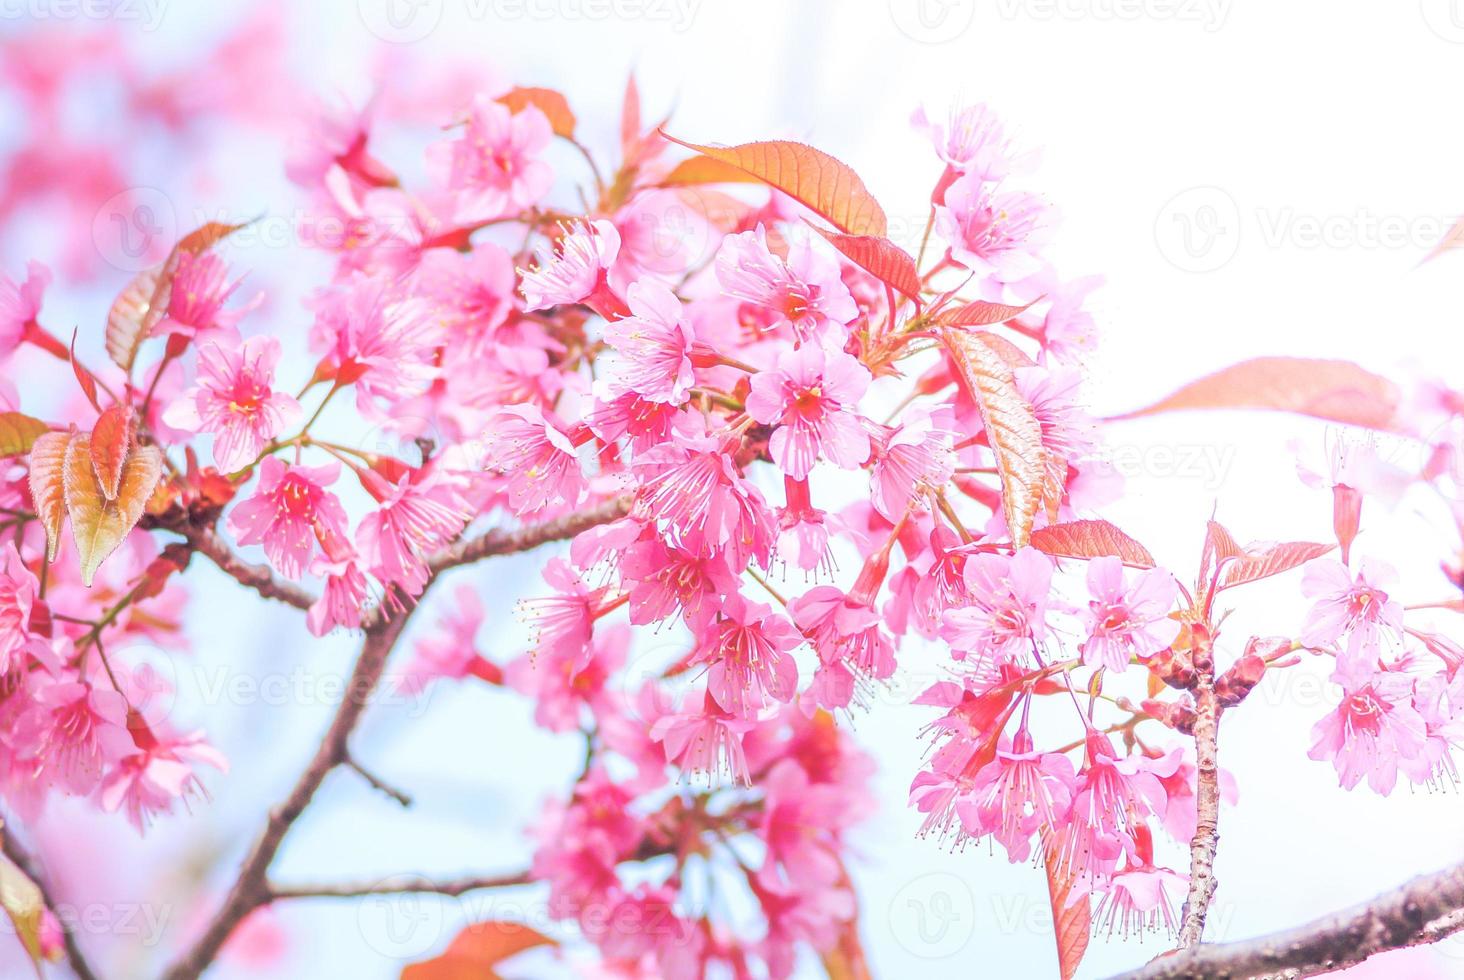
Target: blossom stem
x=376, y=783
x=767, y=586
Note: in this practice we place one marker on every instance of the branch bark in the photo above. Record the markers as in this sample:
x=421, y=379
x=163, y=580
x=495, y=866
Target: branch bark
x=503, y=541
x=399, y=885
x=206, y=541
x=1207, y=808
x=1425, y=910
x=27, y=863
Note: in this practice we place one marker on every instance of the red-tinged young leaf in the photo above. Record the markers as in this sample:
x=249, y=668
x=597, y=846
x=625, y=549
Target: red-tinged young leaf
x=706, y=170
x=140, y=306
x=84, y=377
x=551, y=103
x=111, y=440
x=811, y=177
x=1091, y=539
x=19, y=432
x=881, y=258
x=23, y=903
x=1256, y=564
x=99, y=525
x=1337, y=391
x=980, y=314
x=47, y=485
x=1219, y=547
x=476, y=950
x=1071, y=922
x=1012, y=429
x=1015, y=357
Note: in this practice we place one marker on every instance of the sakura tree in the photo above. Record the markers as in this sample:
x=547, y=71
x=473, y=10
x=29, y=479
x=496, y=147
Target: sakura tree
x=723, y=408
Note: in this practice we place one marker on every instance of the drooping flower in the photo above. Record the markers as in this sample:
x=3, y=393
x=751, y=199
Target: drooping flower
x=914, y=457
x=538, y=461
x=342, y=597
x=1359, y=609
x=1127, y=621
x=693, y=491
x=378, y=338
x=812, y=397
x=845, y=633
x=1008, y=610
x=494, y=168
x=705, y=742
x=991, y=232
x=20, y=305
x=19, y=592
x=748, y=649
x=234, y=399
x=290, y=511
x=654, y=342
x=158, y=774
x=803, y=293
x=1141, y=899
x=416, y=518
x=1018, y=793
x=1372, y=732
x=452, y=652
x=75, y=732
x=576, y=271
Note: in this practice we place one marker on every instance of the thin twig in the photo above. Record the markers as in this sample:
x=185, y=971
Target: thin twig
x=399, y=885
x=503, y=541
x=23, y=859
x=1425, y=910
x=375, y=783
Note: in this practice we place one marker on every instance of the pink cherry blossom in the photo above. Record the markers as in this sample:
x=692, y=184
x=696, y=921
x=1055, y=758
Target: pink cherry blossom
x=160, y=773
x=992, y=232
x=341, y=598
x=19, y=594
x=655, y=341
x=494, y=167
x=913, y=458
x=575, y=272
x=1127, y=620
x=749, y=653
x=845, y=633
x=1019, y=792
x=452, y=652
x=1373, y=732
x=802, y=293
x=535, y=458
x=290, y=511
x=234, y=398
x=20, y=305
x=378, y=338
x=77, y=731
x=812, y=398
x=1008, y=609
x=694, y=492
x=969, y=140
x=705, y=742
x=418, y=516
x=1356, y=608
x=196, y=300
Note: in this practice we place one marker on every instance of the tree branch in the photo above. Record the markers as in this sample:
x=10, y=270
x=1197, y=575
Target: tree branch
x=251, y=889
x=1207, y=807
x=399, y=885
x=23, y=860
x=405, y=799
x=503, y=541
x=206, y=541
x=1425, y=910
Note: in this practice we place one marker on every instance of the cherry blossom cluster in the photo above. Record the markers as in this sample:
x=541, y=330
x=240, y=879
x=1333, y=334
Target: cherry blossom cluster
x=796, y=464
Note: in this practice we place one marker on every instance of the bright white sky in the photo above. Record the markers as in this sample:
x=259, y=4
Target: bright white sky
x=1249, y=177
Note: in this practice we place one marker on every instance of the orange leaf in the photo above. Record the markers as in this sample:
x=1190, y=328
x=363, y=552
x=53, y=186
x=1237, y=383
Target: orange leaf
x=1012, y=429
x=980, y=314
x=139, y=307
x=1091, y=539
x=881, y=258
x=551, y=103
x=98, y=525
x=476, y=950
x=1258, y=563
x=1071, y=923
x=811, y=177
x=18, y=433
x=706, y=170
x=1008, y=351
x=47, y=485
x=111, y=439
x=1338, y=391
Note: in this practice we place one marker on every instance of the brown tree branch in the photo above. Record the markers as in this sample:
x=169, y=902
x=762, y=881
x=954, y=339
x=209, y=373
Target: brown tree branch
x=250, y=889
x=1425, y=910
x=503, y=541
x=1207, y=807
x=206, y=541
x=27, y=863
x=399, y=885
x=376, y=783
